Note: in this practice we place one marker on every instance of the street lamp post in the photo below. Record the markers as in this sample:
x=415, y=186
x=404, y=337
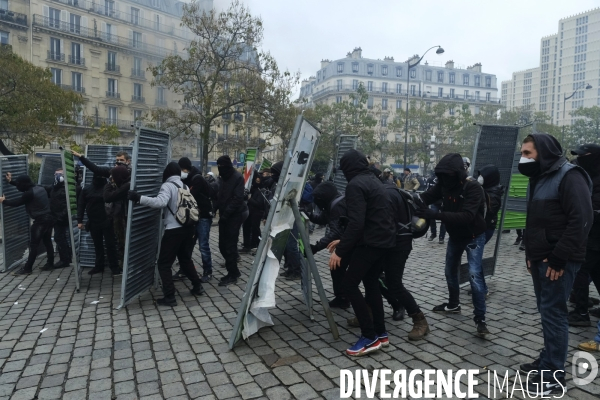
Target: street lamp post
x=439, y=50
x=565, y=106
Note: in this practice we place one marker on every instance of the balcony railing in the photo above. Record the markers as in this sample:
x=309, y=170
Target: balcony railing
x=138, y=99
x=56, y=56
x=113, y=95
x=112, y=68
x=77, y=61
x=13, y=17
x=40, y=20
x=73, y=88
x=138, y=73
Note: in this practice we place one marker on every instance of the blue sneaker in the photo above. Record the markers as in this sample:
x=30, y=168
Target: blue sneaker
x=383, y=339
x=364, y=346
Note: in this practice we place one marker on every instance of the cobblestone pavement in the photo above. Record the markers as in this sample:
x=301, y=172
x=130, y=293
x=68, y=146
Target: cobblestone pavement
x=56, y=344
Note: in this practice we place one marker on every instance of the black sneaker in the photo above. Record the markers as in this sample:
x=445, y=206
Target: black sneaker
x=96, y=270
x=482, y=329
x=197, y=290
x=595, y=301
x=205, y=278
x=578, y=319
x=47, y=267
x=522, y=246
x=441, y=241
x=118, y=272
x=546, y=387
x=530, y=367
x=517, y=242
x=228, y=280
x=431, y=238
x=398, y=314
x=244, y=250
x=22, y=271
x=293, y=276
x=166, y=302
x=62, y=264
x=444, y=309
x=339, y=302
x=285, y=273
x=178, y=276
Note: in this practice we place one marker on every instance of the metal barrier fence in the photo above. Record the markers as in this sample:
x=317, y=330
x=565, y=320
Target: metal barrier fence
x=47, y=168
x=68, y=165
x=151, y=153
x=346, y=143
x=14, y=221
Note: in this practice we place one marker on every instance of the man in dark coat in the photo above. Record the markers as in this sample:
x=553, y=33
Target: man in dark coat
x=256, y=208
x=37, y=205
x=232, y=214
x=463, y=213
x=368, y=239
x=489, y=178
x=117, y=205
x=58, y=208
x=559, y=216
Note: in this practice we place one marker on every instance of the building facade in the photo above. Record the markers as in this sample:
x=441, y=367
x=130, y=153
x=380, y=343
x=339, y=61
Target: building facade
x=569, y=62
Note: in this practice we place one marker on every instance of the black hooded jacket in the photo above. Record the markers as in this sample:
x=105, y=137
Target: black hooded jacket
x=58, y=202
x=493, y=191
x=399, y=210
x=593, y=171
x=202, y=191
x=557, y=228
x=336, y=217
x=115, y=193
x=91, y=200
x=34, y=198
x=463, y=205
x=230, y=199
x=367, y=201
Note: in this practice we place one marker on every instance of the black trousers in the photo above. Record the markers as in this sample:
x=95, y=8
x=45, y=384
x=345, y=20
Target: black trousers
x=251, y=228
x=366, y=264
x=63, y=242
x=229, y=232
x=581, y=286
x=176, y=243
x=337, y=277
x=103, y=236
x=41, y=232
x=394, y=264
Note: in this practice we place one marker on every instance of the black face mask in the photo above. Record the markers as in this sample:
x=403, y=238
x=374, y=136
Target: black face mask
x=449, y=181
x=589, y=163
x=530, y=169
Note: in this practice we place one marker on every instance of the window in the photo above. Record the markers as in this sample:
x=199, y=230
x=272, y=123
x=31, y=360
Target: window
x=398, y=104
x=77, y=81
x=76, y=54
x=137, y=91
x=384, y=87
x=135, y=16
x=75, y=25
x=427, y=75
x=370, y=69
x=369, y=86
x=440, y=76
x=340, y=68
x=355, y=84
x=137, y=116
x=451, y=93
x=339, y=84
x=111, y=90
x=466, y=94
x=384, y=121
x=338, y=99
x=488, y=96
x=398, y=88
x=355, y=67
x=477, y=80
x=324, y=73
x=451, y=110
x=451, y=77
x=56, y=76
x=112, y=115
x=370, y=103
x=136, y=39
x=398, y=71
x=428, y=106
x=160, y=95
x=384, y=104
x=488, y=81
x=440, y=92
x=465, y=79
x=3, y=4
x=155, y=3
x=3, y=37
x=137, y=66
x=477, y=95
x=413, y=73
x=157, y=22
x=55, y=50
x=111, y=64
x=225, y=130
x=109, y=8
x=109, y=32
x=413, y=89
x=384, y=70
x=54, y=18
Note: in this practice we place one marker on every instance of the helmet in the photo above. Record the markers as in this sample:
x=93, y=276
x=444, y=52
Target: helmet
x=467, y=162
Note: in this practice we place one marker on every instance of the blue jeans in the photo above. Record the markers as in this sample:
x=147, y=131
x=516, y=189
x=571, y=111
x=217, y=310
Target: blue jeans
x=203, y=233
x=552, y=297
x=597, y=338
x=474, y=248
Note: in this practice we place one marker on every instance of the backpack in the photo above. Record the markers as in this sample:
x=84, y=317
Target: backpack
x=187, y=209
x=411, y=206
x=307, y=194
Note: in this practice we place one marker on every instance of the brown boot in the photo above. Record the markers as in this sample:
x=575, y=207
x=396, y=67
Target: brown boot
x=420, y=327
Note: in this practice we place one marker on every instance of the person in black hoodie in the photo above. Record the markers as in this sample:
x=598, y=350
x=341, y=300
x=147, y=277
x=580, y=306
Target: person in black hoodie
x=232, y=214
x=203, y=194
x=91, y=201
x=115, y=197
x=463, y=205
x=489, y=178
x=58, y=208
x=368, y=239
x=436, y=207
x=37, y=205
x=559, y=212
x=256, y=209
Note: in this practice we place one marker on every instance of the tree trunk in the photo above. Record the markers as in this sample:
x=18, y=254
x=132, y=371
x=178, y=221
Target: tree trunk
x=205, y=139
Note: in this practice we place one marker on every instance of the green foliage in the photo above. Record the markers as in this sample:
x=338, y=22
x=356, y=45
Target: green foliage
x=33, y=170
x=31, y=106
x=105, y=134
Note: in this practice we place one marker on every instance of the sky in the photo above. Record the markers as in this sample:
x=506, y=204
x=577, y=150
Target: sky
x=503, y=35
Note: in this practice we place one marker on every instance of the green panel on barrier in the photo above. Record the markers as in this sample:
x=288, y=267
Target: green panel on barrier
x=518, y=186
x=265, y=164
x=514, y=220
x=71, y=192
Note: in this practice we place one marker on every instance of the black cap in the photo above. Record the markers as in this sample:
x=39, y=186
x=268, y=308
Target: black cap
x=585, y=149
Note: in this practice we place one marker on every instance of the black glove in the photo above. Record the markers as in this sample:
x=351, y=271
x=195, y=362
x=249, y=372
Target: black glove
x=313, y=248
x=596, y=216
x=134, y=196
x=426, y=213
x=556, y=263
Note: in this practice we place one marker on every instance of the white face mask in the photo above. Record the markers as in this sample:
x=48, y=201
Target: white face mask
x=184, y=175
x=480, y=180
x=525, y=160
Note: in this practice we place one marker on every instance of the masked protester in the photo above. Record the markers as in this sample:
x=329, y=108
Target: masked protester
x=256, y=208
x=121, y=159
x=58, y=208
x=436, y=207
x=91, y=201
x=115, y=197
x=463, y=207
x=204, y=195
x=177, y=241
x=559, y=215
x=489, y=179
x=232, y=214
x=37, y=205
